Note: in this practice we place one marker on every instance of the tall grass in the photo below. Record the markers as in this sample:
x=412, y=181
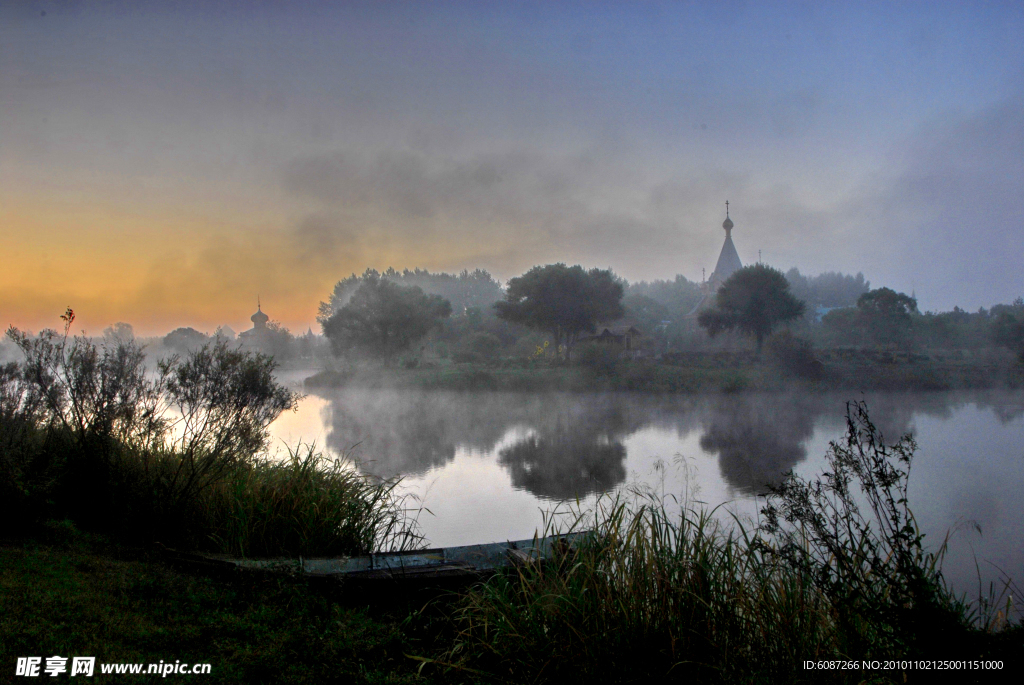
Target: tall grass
x=837, y=570
x=306, y=505
x=648, y=595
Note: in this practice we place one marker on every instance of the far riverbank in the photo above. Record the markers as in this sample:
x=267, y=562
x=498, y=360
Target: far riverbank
x=702, y=372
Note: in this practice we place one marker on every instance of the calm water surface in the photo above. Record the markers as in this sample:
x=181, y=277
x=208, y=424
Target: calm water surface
x=488, y=466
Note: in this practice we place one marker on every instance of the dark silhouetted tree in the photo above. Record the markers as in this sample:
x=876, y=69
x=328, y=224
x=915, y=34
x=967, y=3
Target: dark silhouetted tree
x=563, y=301
x=479, y=346
x=383, y=318
x=466, y=290
x=754, y=300
x=184, y=340
x=886, y=316
x=118, y=332
x=1008, y=328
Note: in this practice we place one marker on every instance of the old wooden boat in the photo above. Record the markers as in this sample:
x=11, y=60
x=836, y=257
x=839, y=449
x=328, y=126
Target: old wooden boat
x=421, y=565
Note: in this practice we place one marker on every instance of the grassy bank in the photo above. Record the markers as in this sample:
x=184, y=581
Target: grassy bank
x=704, y=372
x=99, y=461
x=627, y=376
x=68, y=593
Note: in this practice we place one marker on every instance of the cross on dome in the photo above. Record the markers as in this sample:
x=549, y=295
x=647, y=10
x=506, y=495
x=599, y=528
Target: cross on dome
x=259, y=319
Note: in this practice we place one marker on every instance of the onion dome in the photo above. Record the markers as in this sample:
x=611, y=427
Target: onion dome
x=259, y=318
x=728, y=260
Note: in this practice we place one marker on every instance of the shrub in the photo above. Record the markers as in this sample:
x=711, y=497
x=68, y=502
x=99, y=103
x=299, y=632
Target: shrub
x=794, y=355
x=225, y=399
x=1008, y=332
x=601, y=359
x=86, y=435
x=306, y=505
x=885, y=589
x=91, y=393
x=483, y=345
x=72, y=411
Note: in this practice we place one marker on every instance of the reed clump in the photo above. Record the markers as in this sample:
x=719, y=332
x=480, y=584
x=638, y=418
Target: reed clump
x=307, y=504
x=837, y=570
x=648, y=596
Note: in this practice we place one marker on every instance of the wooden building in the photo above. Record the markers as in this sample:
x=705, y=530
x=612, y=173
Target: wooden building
x=625, y=337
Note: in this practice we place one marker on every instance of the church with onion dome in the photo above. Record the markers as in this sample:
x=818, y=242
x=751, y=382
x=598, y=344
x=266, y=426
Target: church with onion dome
x=259, y=325
x=728, y=264
x=728, y=260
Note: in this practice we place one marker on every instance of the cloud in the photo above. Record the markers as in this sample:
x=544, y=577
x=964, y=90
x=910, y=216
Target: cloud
x=320, y=239
x=511, y=209
x=949, y=220
x=944, y=217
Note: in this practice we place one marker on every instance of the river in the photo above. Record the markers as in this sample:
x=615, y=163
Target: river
x=488, y=466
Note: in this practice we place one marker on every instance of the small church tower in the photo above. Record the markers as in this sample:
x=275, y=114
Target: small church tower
x=728, y=260
x=259, y=324
x=259, y=319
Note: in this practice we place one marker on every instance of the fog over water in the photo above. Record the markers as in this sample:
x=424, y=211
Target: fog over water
x=487, y=465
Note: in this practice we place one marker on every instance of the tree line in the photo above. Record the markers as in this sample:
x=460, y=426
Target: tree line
x=555, y=307
x=548, y=311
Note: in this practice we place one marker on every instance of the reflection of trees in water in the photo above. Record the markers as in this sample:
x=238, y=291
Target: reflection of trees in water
x=758, y=439
x=391, y=433
x=575, y=441
x=397, y=440
x=576, y=450
x=561, y=467
x=1006, y=406
x=572, y=447
x=893, y=413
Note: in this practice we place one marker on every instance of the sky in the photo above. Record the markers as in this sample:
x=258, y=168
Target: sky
x=166, y=163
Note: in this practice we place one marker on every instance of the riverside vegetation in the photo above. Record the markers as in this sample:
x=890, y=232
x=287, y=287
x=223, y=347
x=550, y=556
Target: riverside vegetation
x=830, y=331
x=87, y=435
x=788, y=363
x=98, y=459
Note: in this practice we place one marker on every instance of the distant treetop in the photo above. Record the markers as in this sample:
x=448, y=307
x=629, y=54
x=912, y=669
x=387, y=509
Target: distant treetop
x=830, y=289
x=563, y=301
x=465, y=290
